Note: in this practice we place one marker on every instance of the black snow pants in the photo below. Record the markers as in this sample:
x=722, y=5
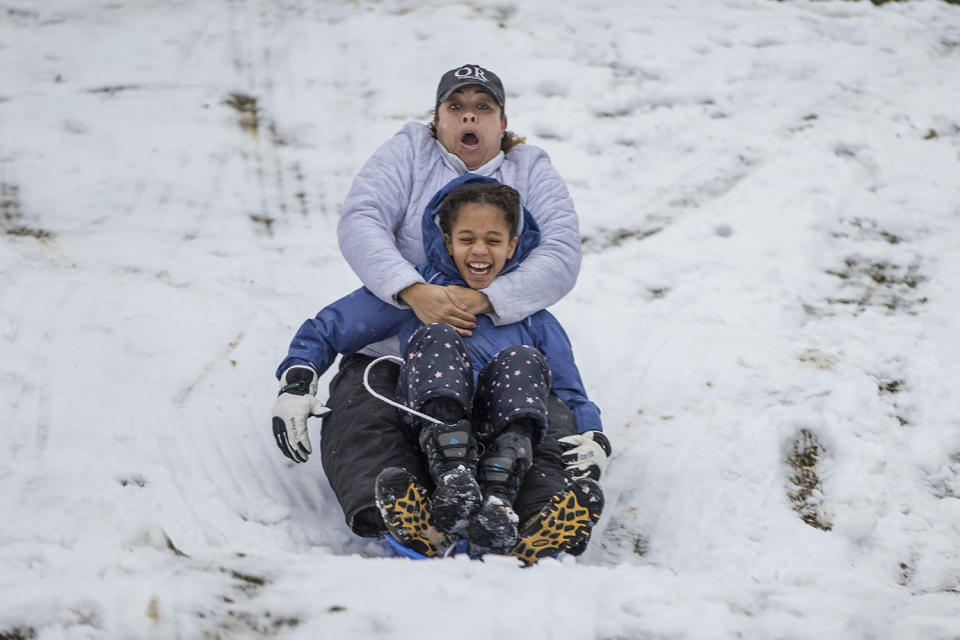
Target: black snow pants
x=363, y=435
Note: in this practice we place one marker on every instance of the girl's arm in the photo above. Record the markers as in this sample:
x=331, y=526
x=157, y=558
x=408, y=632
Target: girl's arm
x=552, y=341
x=346, y=326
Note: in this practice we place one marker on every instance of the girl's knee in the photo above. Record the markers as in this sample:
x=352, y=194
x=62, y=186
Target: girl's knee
x=434, y=331
x=521, y=352
x=441, y=329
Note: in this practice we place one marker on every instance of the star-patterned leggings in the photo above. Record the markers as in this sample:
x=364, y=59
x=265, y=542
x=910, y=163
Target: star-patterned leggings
x=514, y=384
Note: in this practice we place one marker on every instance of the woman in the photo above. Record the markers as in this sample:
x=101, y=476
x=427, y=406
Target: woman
x=380, y=236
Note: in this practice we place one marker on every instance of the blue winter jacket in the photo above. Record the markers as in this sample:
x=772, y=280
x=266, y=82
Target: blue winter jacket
x=361, y=318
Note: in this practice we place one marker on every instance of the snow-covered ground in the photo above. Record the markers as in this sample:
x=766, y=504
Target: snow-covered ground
x=767, y=313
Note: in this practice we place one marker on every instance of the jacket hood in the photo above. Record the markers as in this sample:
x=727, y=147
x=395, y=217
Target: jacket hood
x=527, y=230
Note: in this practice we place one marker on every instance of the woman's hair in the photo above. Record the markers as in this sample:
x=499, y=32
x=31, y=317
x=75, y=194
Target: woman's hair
x=507, y=142
x=498, y=195
x=510, y=140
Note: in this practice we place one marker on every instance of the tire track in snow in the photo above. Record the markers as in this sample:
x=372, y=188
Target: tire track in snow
x=235, y=487
x=272, y=166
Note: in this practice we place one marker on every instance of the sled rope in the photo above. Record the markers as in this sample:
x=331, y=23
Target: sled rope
x=366, y=383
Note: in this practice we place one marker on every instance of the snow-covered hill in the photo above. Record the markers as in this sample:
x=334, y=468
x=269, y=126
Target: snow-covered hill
x=767, y=313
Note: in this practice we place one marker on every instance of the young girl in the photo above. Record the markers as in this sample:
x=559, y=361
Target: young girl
x=490, y=391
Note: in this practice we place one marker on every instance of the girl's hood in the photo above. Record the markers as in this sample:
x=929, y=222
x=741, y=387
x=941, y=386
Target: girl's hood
x=528, y=231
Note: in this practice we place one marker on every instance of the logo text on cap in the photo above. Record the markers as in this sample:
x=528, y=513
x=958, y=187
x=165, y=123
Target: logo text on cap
x=470, y=72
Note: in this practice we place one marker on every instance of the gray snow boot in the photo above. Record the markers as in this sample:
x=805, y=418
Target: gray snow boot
x=451, y=451
x=494, y=528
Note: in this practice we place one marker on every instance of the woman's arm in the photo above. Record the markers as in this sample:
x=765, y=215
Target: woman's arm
x=551, y=269
x=372, y=212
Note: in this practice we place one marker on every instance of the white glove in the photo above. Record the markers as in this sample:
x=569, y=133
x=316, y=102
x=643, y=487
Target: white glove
x=297, y=401
x=586, y=455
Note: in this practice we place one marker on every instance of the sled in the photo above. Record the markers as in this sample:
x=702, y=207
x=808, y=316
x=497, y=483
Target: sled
x=460, y=547
x=405, y=552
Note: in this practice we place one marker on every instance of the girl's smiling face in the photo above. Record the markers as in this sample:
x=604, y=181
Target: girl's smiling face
x=479, y=242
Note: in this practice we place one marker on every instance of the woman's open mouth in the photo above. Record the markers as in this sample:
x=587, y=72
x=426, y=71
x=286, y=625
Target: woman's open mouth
x=470, y=140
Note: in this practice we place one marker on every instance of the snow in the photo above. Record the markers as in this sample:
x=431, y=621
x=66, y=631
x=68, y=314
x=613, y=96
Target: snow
x=767, y=308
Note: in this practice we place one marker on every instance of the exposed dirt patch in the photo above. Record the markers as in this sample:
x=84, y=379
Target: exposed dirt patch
x=173, y=548
x=861, y=228
x=264, y=222
x=869, y=283
x=248, y=581
x=944, y=481
x=11, y=215
x=607, y=238
x=237, y=615
x=804, y=487
x=114, y=89
x=622, y=534
x=135, y=480
x=890, y=386
x=247, y=110
x=10, y=210
x=817, y=358
x=29, y=232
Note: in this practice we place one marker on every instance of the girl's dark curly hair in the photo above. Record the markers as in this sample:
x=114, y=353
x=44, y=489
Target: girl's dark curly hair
x=498, y=195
